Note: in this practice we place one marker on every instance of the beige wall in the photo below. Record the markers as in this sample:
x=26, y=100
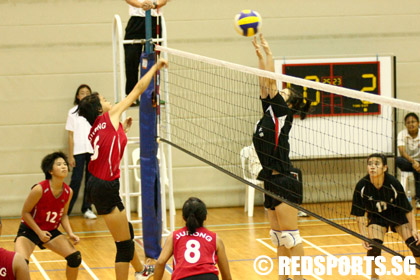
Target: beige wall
x=49, y=47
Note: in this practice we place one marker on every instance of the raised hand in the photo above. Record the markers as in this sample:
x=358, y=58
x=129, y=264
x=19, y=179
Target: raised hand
x=265, y=45
x=257, y=48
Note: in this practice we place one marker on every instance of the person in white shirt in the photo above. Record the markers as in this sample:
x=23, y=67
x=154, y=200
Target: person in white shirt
x=136, y=29
x=409, y=147
x=80, y=151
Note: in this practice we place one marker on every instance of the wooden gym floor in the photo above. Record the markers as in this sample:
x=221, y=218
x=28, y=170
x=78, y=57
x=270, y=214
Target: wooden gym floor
x=245, y=239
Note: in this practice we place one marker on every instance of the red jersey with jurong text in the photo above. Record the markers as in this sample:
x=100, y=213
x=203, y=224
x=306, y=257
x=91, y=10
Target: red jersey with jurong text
x=108, y=148
x=194, y=254
x=49, y=210
x=6, y=264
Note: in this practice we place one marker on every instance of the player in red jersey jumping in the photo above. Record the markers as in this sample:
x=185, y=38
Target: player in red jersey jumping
x=44, y=210
x=12, y=265
x=108, y=140
x=196, y=250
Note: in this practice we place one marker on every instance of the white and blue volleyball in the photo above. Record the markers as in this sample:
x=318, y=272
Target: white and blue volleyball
x=248, y=23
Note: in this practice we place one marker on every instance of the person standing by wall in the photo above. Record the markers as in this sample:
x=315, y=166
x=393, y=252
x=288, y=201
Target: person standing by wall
x=136, y=29
x=80, y=151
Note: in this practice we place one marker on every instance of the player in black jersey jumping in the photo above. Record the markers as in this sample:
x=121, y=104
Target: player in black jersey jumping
x=271, y=141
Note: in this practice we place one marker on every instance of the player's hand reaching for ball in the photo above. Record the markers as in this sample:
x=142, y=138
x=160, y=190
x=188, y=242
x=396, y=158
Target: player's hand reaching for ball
x=265, y=45
x=257, y=48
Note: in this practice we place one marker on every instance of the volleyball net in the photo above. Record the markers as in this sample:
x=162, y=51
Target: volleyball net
x=213, y=106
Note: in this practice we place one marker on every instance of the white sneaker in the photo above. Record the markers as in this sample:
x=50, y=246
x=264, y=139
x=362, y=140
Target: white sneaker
x=418, y=204
x=302, y=214
x=89, y=215
x=148, y=271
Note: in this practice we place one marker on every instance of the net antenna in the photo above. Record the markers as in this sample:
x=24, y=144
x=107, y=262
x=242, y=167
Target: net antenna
x=215, y=106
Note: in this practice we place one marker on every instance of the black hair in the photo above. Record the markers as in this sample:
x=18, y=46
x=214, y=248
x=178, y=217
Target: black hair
x=378, y=155
x=299, y=104
x=414, y=115
x=76, y=100
x=90, y=107
x=194, y=212
x=48, y=163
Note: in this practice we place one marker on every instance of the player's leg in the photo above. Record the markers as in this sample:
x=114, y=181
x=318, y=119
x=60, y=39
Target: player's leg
x=25, y=241
x=142, y=271
x=24, y=247
x=275, y=234
x=405, y=232
x=62, y=246
x=288, y=224
x=118, y=226
x=76, y=180
x=377, y=233
x=135, y=30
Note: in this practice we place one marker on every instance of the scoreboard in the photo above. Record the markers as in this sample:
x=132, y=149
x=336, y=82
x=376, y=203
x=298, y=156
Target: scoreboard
x=363, y=76
x=362, y=130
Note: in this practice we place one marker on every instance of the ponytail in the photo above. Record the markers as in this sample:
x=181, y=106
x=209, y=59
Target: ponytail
x=300, y=105
x=192, y=224
x=194, y=213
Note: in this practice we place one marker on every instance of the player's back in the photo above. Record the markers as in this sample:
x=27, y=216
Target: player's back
x=6, y=265
x=194, y=254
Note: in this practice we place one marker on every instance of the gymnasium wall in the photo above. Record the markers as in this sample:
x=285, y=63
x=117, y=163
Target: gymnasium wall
x=49, y=47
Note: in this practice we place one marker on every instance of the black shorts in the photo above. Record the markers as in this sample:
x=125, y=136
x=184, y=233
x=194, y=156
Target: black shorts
x=288, y=187
x=207, y=276
x=378, y=220
x=105, y=195
x=27, y=232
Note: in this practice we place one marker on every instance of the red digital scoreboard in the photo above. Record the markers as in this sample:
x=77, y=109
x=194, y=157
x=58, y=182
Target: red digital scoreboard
x=363, y=76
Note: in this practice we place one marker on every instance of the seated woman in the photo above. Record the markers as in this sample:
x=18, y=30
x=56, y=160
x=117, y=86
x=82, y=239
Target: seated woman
x=196, y=250
x=383, y=198
x=409, y=148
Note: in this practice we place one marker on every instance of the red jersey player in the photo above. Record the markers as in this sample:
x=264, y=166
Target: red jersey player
x=12, y=265
x=108, y=140
x=196, y=250
x=44, y=210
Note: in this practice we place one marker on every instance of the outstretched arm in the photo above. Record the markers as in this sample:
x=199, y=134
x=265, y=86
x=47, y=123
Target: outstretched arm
x=261, y=65
x=139, y=88
x=222, y=260
x=361, y=222
x=271, y=84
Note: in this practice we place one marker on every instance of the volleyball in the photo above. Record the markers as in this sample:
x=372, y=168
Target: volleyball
x=248, y=23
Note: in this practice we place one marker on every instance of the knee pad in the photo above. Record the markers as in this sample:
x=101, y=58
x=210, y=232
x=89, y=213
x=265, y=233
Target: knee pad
x=286, y=238
x=125, y=251
x=130, y=226
x=74, y=260
x=411, y=243
x=375, y=251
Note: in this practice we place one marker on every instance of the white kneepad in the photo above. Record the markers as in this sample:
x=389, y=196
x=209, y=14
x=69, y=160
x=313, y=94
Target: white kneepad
x=286, y=238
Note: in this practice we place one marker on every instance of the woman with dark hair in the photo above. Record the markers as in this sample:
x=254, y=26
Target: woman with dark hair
x=108, y=139
x=382, y=197
x=409, y=147
x=80, y=151
x=196, y=250
x=44, y=211
x=271, y=141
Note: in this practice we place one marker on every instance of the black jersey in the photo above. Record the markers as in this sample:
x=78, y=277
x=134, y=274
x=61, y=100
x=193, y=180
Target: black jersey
x=271, y=136
x=388, y=203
